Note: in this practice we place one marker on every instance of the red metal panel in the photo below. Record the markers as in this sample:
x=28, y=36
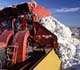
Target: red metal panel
x=21, y=39
x=40, y=37
x=14, y=59
x=41, y=12
x=2, y=45
x=5, y=36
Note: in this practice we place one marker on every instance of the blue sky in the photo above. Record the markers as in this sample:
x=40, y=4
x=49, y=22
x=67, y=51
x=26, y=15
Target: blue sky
x=66, y=11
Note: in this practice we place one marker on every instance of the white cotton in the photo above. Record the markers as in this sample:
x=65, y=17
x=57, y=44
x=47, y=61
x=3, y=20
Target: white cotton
x=69, y=47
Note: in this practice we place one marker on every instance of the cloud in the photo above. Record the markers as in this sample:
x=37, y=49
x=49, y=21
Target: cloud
x=68, y=9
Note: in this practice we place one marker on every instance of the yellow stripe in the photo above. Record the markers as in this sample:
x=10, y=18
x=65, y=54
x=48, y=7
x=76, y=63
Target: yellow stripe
x=50, y=62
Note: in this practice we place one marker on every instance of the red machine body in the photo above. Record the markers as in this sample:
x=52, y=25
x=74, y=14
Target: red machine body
x=21, y=38
x=41, y=35
x=5, y=37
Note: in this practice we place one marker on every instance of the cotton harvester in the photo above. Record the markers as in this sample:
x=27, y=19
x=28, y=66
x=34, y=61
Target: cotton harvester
x=20, y=31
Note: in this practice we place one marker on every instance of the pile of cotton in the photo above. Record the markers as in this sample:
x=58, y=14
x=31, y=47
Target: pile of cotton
x=69, y=47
